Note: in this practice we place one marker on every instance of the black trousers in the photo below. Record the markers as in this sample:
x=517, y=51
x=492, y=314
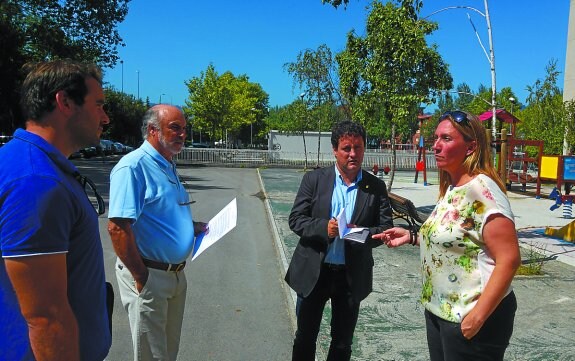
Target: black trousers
x=446, y=341
x=332, y=284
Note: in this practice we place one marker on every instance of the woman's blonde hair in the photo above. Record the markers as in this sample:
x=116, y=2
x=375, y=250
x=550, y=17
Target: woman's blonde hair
x=478, y=162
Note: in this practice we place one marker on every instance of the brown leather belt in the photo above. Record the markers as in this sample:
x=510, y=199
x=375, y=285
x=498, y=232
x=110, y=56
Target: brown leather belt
x=168, y=267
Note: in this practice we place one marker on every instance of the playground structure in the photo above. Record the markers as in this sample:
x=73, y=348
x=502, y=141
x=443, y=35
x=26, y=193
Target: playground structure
x=517, y=166
x=522, y=161
x=520, y=167
x=562, y=170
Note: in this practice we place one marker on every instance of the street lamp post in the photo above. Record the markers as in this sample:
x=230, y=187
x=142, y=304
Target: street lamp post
x=512, y=100
x=303, y=132
x=491, y=59
x=512, y=126
x=122, y=63
x=251, y=128
x=138, y=72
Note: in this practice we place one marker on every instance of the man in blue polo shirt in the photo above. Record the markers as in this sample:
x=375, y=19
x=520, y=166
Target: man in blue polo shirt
x=153, y=234
x=52, y=282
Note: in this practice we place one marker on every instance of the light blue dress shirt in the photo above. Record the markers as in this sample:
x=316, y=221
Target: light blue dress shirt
x=144, y=186
x=343, y=196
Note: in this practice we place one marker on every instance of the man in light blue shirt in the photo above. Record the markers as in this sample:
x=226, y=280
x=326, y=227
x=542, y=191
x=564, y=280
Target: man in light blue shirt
x=343, y=197
x=323, y=266
x=153, y=232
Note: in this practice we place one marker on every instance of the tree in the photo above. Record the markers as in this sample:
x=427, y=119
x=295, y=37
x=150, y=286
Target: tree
x=222, y=104
x=314, y=72
x=125, y=113
x=386, y=75
x=545, y=117
x=35, y=30
x=336, y=3
x=464, y=96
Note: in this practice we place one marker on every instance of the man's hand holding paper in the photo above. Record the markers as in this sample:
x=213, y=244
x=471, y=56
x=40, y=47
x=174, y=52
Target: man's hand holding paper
x=357, y=234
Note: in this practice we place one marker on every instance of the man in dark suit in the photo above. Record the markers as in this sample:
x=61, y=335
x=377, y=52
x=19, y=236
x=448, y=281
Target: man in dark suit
x=323, y=266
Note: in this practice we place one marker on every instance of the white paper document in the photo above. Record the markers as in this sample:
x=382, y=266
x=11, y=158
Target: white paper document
x=222, y=223
x=357, y=234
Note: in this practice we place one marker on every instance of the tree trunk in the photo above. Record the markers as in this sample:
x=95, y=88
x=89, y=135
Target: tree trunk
x=304, y=151
x=393, y=157
x=318, y=140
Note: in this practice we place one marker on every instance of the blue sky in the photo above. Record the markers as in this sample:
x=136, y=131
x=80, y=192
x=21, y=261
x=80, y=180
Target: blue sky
x=172, y=41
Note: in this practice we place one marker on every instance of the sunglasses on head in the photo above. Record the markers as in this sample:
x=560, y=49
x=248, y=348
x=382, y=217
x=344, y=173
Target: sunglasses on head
x=456, y=115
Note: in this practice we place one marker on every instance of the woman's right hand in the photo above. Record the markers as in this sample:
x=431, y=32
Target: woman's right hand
x=394, y=237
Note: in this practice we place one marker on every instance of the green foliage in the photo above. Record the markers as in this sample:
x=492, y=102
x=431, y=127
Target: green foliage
x=533, y=265
x=125, y=113
x=336, y=3
x=225, y=103
x=545, y=117
x=34, y=30
x=313, y=72
x=386, y=75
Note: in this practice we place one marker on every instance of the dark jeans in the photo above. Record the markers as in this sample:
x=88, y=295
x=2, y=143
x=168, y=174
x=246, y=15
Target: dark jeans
x=446, y=342
x=332, y=285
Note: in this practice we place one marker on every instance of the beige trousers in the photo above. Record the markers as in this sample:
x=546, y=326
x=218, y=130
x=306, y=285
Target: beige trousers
x=155, y=314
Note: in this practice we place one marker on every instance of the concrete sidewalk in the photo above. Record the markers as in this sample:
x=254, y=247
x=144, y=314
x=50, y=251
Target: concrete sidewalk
x=391, y=324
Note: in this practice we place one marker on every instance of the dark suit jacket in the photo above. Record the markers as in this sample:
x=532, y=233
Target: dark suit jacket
x=309, y=218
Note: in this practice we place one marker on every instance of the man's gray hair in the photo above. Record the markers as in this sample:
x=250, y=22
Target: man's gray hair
x=151, y=120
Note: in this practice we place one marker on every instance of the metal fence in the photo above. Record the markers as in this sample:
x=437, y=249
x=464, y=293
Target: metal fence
x=406, y=159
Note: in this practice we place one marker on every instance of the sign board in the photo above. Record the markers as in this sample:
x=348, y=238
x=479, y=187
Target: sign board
x=569, y=168
x=549, y=166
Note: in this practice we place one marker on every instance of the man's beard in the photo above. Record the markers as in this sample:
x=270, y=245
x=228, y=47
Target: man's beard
x=166, y=145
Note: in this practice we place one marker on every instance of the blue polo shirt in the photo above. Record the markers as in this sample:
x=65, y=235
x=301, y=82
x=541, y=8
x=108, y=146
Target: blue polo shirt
x=44, y=210
x=144, y=187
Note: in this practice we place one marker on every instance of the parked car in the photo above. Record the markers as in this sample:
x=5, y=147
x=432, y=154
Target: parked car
x=89, y=152
x=76, y=155
x=4, y=139
x=106, y=146
x=118, y=148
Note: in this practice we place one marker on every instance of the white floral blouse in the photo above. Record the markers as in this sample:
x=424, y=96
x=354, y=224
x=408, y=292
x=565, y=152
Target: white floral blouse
x=455, y=262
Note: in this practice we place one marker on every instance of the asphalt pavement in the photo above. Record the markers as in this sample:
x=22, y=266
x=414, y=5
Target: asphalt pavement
x=236, y=307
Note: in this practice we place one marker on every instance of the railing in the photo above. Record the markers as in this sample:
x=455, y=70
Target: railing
x=405, y=160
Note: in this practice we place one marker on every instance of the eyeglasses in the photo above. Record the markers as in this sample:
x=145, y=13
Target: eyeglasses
x=93, y=196
x=189, y=194
x=456, y=115
x=460, y=118
x=179, y=183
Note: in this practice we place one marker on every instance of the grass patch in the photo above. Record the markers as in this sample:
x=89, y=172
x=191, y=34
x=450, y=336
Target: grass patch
x=533, y=265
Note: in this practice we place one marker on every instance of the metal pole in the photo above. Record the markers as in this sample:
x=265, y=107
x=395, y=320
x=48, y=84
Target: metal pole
x=512, y=125
x=122, y=62
x=138, y=72
x=254, y=110
x=491, y=59
x=493, y=86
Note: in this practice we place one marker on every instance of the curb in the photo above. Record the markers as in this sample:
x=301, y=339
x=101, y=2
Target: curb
x=290, y=294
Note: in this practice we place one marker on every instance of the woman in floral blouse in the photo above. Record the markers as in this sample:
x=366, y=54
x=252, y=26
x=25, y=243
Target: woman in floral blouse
x=469, y=248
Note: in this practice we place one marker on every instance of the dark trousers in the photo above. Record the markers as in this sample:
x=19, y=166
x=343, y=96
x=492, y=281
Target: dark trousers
x=332, y=284
x=446, y=342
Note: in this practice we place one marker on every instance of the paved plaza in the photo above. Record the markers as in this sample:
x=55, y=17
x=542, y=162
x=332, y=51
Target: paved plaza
x=240, y=309
x=391, y=324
